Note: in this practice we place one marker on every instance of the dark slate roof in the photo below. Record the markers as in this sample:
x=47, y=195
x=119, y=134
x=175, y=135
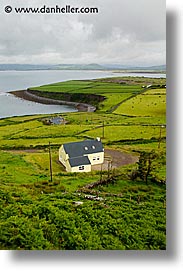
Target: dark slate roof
x=79, y=161
x=76, y=149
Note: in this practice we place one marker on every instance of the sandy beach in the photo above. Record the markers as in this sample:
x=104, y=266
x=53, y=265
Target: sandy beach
x=27, y=95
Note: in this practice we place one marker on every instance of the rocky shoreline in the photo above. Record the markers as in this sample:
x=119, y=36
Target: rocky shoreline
x=27, y=95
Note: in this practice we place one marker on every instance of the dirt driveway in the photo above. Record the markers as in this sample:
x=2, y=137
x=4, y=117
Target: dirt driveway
x=117, y=159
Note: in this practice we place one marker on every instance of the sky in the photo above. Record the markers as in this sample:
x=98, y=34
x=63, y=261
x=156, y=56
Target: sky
x=127, y=32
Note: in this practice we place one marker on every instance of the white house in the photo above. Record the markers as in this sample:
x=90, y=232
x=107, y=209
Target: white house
x=81, y=156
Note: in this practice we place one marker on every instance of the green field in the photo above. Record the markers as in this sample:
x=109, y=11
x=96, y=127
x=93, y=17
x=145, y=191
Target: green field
x=146, y=104
x=114, y=93
x=39, y=214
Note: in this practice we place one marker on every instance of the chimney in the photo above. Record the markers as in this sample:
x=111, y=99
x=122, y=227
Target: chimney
x=98, y=138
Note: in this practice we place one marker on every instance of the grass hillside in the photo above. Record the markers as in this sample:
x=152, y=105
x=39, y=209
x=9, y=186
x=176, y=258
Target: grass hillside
x=123, y=211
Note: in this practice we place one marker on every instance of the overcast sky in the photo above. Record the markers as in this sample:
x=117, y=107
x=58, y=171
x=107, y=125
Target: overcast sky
x=129, y=32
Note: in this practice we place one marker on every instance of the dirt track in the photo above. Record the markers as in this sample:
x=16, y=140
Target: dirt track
x=117, y=158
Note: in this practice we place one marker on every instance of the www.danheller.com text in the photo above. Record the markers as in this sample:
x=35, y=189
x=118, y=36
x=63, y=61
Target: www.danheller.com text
x=67, y=9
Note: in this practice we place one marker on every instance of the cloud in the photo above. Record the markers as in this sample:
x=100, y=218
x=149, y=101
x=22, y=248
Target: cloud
x=124, y=31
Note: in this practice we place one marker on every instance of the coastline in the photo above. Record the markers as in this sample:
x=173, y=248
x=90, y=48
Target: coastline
x=27, y=95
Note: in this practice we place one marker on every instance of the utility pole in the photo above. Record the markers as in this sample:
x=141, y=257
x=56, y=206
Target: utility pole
x=101, y=174
x=109, y=168
x=159, y=143
x=51, y=174
x=103, y=130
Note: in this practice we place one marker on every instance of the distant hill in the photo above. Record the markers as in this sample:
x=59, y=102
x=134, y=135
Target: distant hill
x=24, y=67
x=159, y=68
x=127, y=67
x=92, y=66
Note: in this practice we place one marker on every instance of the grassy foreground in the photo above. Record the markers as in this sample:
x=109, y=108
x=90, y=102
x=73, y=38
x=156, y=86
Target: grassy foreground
x=125, y=213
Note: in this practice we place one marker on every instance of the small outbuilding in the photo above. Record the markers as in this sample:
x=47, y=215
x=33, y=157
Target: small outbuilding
x=81, y=156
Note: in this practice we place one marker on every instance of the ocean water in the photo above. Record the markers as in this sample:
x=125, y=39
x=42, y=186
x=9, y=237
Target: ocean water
x=13, y=106
x=19, y=80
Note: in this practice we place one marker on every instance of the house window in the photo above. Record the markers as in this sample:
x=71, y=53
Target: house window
x=93, y=147
x=98, y=158
x=94, y=158
x=81, y=167
x=86, y=148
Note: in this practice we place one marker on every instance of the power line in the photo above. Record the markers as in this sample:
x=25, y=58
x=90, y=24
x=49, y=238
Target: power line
x=51, y=174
